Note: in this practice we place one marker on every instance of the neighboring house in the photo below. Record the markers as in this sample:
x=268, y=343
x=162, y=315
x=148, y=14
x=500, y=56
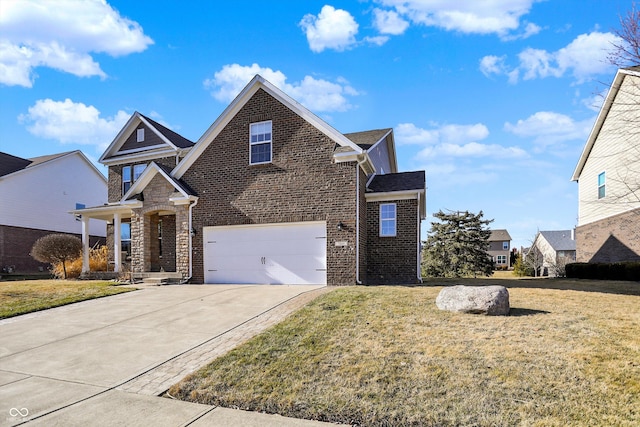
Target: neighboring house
x=608, y=176
x=270, y=193
x=557, y=249
x=500, y=248
x=36, y=196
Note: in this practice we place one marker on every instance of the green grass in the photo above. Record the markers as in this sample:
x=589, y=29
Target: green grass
x=569, y=354
x=20, y=297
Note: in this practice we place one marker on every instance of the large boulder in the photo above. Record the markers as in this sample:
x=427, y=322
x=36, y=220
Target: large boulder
x=489, y=300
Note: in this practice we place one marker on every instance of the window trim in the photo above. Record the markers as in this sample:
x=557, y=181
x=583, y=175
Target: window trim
x=501, y=260
x=394, y=220
x=263, y=142
x=129, y=181
x=125, y=242
x=602, y=186
x=140, y=135
x=505, y=245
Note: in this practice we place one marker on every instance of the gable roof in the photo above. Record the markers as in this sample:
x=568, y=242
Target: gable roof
x=403, y=181
x=602, y=116
x=499, y=235
x=171, y=140
x=368, y=138
x=12, y=164
x=560, y=240
x=153, y=169
x=258, y=82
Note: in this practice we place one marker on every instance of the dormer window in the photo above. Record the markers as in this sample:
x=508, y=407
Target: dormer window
x=260, y=143
x=140, y=135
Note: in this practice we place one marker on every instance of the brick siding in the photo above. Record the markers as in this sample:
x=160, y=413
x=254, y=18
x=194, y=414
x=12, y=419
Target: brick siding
x=302, y=183
x=115, y=175
x=16, y=244
x=393, y=260
x=612, y=239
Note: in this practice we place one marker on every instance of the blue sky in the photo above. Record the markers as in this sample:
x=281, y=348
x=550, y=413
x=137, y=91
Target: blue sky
x=493, y=98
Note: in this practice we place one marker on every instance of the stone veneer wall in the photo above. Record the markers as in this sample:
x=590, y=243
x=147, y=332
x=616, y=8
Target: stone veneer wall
x=302, y=183
x=612, y=239
x=393, y=260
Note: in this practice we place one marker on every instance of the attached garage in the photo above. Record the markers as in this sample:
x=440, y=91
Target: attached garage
x=285, y=253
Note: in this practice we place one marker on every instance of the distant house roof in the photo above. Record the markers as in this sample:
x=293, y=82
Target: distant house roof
x=10, y=164
x=499, y=236
x=560, y=240
x=402, y=181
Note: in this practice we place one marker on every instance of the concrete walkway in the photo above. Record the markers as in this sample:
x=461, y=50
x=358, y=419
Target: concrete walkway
x=105, y=361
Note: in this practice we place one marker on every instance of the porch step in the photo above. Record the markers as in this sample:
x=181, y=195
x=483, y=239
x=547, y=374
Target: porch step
x=161, y=278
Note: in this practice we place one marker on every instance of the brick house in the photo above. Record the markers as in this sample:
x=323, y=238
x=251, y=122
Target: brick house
x=500, y=248
x=270, y=193
x=608, y=177
x=37, y=195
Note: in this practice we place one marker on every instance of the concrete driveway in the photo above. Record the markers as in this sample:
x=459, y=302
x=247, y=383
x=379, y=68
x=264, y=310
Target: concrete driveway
x=103, y=362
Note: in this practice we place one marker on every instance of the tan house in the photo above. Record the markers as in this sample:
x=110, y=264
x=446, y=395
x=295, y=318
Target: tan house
x=500, y=248
x=608, y=177
x=270, y=193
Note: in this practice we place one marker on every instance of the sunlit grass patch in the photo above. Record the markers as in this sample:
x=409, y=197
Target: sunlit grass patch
x=20, y=297
x=387, y=356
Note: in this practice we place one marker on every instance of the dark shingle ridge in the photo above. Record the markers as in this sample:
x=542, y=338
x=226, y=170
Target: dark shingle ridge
x=177, y=139
x=402, y=181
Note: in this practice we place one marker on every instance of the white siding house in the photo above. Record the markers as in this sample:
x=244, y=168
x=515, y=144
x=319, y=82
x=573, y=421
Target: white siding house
x=608, y=176
x=36, y=196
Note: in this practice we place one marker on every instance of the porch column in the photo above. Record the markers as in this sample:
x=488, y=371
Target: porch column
x=85, y=244
x=117, y=244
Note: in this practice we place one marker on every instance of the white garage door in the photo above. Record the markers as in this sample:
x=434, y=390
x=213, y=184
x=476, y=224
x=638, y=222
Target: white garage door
x=288, y=253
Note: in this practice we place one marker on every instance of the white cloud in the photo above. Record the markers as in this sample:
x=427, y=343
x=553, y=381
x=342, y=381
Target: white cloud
x=471, y=149
x=471, y=17
x=547, y=128
x=408, y=133
x=316, y=94
x=331, y=29
x=377, y=40
x=583, y=58
x=62, y=35
x=389, y=22
x=72, y=123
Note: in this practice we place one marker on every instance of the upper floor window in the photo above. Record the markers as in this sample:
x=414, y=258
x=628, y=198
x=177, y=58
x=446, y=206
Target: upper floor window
x=505, y=246
x=130, y=174
x=388, y=220
x=260, y=143
x=140, y=135
x=601, y=185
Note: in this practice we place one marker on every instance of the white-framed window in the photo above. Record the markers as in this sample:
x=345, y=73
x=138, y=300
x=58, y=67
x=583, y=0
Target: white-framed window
x=140, y=135
x=125, y=239
x=126, y=179
x=501, y=259
x=602, y=180
x=505, y=246
x=260, y=142
x=130, y=174
x=388, y=220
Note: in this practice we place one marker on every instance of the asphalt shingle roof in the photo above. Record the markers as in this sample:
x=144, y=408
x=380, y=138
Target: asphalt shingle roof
x=402, y=181
x=499, y=235
x=10, y=164
x=175, y=138
x=367, y=138
x=560, y=240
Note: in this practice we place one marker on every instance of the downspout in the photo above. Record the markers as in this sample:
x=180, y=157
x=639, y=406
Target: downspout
x=361, y=162
x=419, y=270
x=195, y=202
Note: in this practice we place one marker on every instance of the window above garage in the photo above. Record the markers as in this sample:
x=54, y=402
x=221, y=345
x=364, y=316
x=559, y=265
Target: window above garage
x=260, y=143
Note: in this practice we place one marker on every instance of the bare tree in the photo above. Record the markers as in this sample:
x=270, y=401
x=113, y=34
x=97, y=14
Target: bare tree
x=626, y=50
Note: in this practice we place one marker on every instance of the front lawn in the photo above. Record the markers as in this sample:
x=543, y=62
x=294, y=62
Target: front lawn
x=20, y=297
x=386, y=356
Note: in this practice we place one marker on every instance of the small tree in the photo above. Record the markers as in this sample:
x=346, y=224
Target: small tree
x=457, y=246
x=57, y=248
x=534, y=260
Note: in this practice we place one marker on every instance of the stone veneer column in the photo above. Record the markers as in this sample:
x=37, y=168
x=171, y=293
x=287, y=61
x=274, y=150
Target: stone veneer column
x=182, y=240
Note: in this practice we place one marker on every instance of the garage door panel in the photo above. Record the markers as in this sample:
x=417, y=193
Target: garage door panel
x=293, y=253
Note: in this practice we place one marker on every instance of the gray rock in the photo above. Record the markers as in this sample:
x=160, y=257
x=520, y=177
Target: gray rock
x=490, y=300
